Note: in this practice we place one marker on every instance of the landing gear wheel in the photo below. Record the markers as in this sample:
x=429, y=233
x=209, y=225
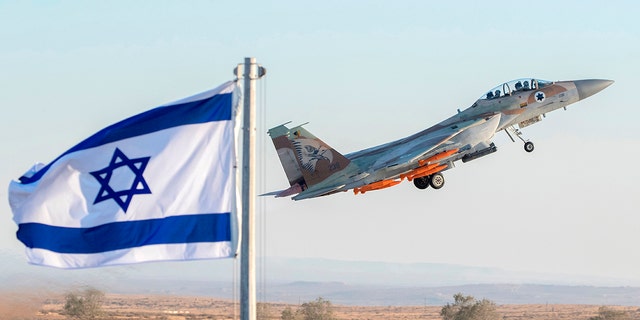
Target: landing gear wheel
x=421, y=183
x=528, y=146
x=437, y=181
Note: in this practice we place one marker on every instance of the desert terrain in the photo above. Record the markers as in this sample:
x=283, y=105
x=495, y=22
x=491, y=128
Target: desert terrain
x=115, y=306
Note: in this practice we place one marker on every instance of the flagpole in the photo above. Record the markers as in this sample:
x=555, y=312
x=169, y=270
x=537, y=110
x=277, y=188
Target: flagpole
x=249, y=72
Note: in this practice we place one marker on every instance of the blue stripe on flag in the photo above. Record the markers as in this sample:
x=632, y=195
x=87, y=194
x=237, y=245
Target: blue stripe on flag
x=129, y=234
x=215, y=108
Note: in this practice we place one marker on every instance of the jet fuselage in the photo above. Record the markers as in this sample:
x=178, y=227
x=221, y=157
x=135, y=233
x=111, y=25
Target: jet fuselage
x=315, y=169
x=524, y=106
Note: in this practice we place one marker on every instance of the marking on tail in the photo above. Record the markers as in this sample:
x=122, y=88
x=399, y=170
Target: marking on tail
x=306, y=160
x=310, y=151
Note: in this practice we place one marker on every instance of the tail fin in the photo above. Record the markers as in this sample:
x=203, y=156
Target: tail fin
x=306, y=159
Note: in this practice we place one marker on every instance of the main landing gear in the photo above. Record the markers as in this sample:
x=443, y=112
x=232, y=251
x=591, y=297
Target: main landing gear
x=435, y=180
x=528, y=145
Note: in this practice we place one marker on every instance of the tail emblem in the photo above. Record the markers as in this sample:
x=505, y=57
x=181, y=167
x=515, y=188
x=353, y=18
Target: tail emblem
x=310, y=151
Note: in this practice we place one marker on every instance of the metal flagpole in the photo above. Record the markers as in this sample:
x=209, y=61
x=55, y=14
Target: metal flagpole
x=250, y=72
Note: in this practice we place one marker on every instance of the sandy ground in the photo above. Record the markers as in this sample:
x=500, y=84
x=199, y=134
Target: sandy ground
x=50, y=306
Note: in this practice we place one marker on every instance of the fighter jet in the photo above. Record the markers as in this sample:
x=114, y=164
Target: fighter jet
x=315, y=169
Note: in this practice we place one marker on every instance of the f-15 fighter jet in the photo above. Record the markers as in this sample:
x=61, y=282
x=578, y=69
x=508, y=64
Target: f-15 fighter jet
x=315, y=169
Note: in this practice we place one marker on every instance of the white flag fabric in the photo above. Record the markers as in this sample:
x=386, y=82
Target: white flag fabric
x=160, y=185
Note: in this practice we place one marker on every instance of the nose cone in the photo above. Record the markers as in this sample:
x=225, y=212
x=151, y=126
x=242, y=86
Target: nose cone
x=587, y=88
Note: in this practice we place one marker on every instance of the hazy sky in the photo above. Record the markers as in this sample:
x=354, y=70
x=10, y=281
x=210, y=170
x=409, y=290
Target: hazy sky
x=362, y=73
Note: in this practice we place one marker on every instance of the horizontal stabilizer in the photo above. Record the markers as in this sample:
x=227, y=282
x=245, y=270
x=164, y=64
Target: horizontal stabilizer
x=294, y=189
x=311, y=193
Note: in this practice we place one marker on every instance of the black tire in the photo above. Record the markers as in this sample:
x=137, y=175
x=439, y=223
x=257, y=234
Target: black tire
x=437, y=181
x=422, y=182
x=528, y=146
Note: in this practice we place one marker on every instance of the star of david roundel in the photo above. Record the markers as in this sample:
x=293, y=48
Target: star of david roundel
x=119, y=166
x=539, y=96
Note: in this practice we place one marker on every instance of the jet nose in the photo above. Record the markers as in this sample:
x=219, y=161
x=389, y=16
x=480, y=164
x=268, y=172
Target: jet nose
x=587, y=88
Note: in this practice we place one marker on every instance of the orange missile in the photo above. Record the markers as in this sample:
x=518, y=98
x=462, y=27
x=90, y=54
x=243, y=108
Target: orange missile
x=438, y=156
x=417, y=171
x=376, y=186
x=428, y=172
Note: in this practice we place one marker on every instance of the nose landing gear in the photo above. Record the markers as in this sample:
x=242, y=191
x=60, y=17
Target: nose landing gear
x=528, y=145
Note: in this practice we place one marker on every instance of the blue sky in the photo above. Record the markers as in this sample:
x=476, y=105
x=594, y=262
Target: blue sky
x=362, y=74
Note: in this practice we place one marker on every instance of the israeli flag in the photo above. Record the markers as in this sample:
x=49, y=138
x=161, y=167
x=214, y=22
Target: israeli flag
x=160, y=185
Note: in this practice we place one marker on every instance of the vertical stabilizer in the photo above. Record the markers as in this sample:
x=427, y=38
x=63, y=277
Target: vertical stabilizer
x=286, y=153
x=306, y=160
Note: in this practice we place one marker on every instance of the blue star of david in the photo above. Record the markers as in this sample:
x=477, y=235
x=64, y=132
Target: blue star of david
x=121, y=197
x=540, y=96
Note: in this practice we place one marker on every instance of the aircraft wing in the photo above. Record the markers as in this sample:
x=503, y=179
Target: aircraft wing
x=390, y=160
x=421, y=145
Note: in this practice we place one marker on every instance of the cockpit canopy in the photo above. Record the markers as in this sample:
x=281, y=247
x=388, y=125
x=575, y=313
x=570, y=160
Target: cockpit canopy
x=508, y=88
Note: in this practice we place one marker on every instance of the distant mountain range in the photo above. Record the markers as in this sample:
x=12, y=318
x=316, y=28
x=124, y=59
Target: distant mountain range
x=419, y=274
x=378, y=295
x=294, y=280
x=342, y=293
